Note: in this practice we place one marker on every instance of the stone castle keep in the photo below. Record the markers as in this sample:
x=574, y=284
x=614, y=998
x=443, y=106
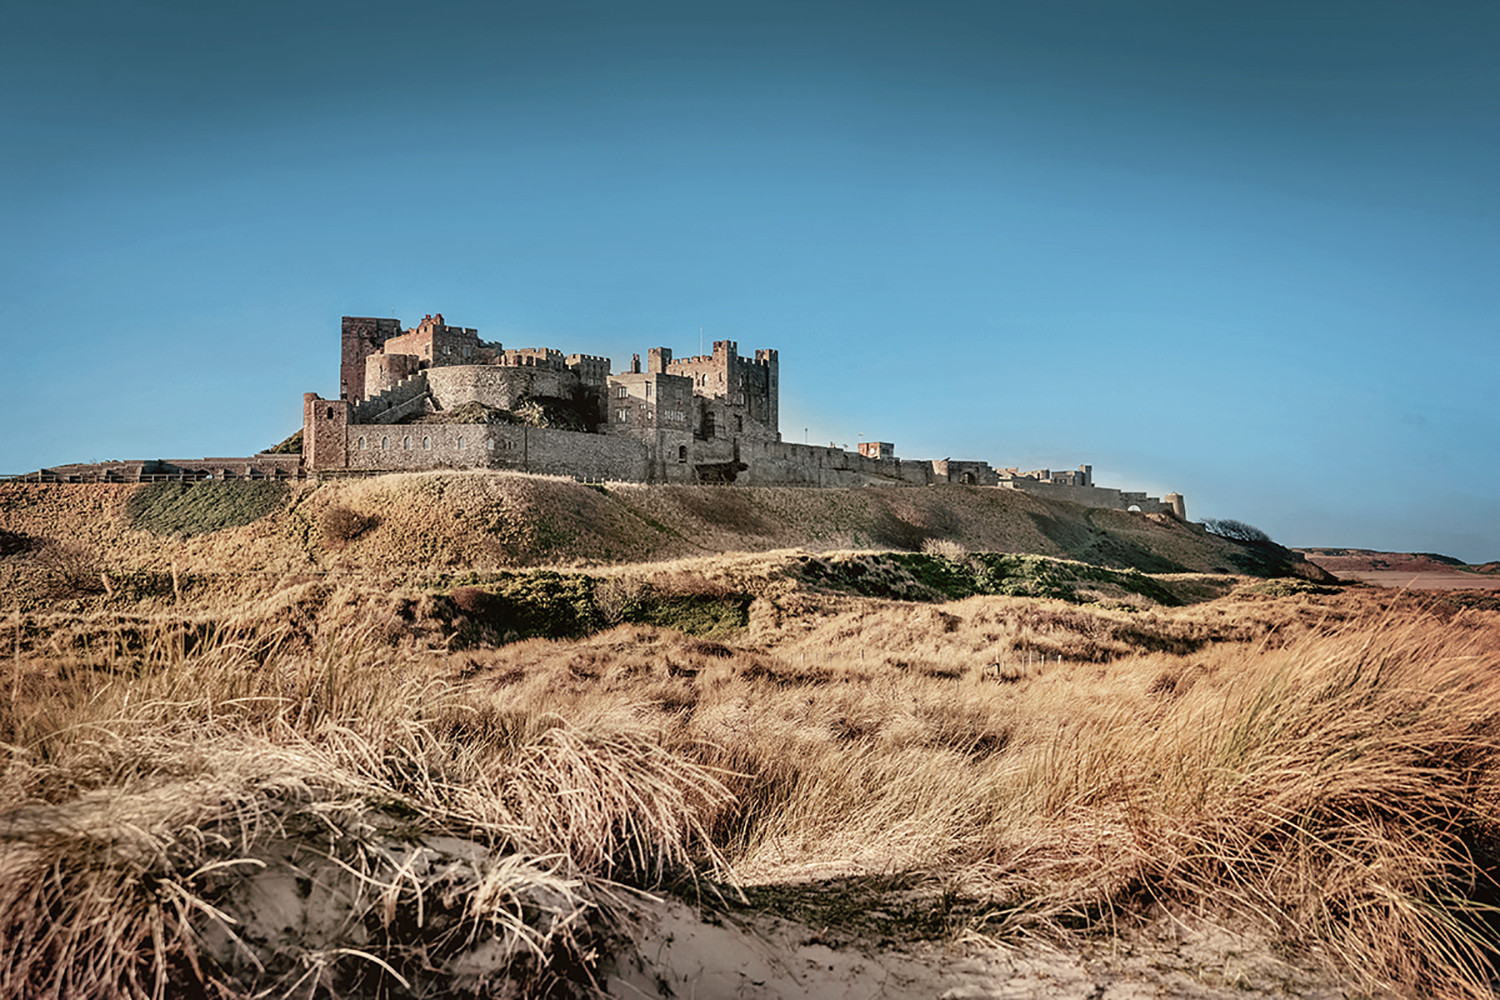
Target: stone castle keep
x=438, y=397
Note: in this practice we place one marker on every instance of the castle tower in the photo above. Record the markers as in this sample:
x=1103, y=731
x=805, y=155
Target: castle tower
x=362, y=336
x=1178, y=505
x=769, y=358
x=325, y=432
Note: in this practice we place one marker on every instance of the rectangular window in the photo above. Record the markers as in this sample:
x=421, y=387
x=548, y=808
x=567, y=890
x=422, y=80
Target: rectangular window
x=621, y=392
x=648, y=396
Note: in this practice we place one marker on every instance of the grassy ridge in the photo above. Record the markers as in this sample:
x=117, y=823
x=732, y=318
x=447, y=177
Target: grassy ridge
x=242, y=537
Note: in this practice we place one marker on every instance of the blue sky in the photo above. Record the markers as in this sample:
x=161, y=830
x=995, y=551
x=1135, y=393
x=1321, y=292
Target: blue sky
x=1247, y=252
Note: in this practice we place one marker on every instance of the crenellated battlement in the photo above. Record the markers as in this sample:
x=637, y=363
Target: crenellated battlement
x=703, y=418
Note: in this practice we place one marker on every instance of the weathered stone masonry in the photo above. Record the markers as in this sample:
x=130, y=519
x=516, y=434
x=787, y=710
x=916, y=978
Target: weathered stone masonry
x=714, y=418
x=711, y=418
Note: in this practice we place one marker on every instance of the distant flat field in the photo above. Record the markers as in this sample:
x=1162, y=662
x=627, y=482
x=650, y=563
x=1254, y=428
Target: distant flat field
x=1423, y=580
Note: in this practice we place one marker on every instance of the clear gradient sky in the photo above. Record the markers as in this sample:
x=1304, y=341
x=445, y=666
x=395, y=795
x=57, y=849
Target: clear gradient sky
x=1245, y=251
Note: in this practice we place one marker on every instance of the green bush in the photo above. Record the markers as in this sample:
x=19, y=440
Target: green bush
x=186, y=509
x=544, y=604
x=705, y=615
x=910, y=576
x=551, y=605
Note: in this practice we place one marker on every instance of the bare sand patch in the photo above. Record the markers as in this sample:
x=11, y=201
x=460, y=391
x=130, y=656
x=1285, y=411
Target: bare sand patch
x=676, y=953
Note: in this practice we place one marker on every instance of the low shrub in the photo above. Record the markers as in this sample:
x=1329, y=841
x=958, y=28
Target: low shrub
x=71, y=568
x=341, y=524
x=945, y=548
x=544, y=604
x=942, y=577
x=12, y=542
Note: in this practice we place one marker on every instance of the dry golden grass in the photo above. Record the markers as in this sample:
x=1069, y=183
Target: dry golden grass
x=140, y=790
x=402, y=526
x=1322, y=766
x=1330, y=780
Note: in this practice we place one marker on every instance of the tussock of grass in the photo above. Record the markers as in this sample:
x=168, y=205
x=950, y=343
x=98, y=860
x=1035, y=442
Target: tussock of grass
x=139, y=807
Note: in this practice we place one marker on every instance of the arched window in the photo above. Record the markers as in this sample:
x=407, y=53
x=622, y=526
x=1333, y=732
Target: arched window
x=385, y=444
x=427, y=444
x=682, y=453
x=361, y=444
x=406, y=442
x=460, y=442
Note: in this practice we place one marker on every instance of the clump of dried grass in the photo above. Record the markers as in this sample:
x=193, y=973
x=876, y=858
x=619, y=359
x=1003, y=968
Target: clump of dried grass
x=140, y=801
x=946, y=548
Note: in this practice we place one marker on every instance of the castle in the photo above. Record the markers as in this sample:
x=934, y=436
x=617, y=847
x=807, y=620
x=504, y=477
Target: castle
x=438, y=397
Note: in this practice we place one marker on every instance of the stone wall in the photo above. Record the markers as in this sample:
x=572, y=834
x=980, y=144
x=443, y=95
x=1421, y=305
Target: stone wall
x=1093, y=496
x=497, y=385
x=413, y=447
x=156, y=470
x=777, y=463
x=385, y=371
x=964, y=473
x=394, y=403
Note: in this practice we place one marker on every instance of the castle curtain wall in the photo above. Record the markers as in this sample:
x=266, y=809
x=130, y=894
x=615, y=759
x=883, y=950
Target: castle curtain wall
x=417, y=447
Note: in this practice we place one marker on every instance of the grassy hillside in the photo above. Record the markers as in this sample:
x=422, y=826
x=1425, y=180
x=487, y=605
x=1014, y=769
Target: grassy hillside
x=244, y=537
x=389, y=737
